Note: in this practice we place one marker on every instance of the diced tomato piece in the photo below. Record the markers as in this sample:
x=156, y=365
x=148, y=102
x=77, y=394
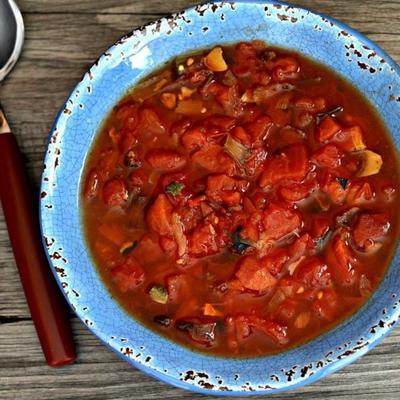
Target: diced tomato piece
x=113, y=233
x=253, y=276
x=389, y=192
x=278, y=333
x=222, y=188
x=159, y=216
x=220, y=182
x=314, y=273
x=275, y=261
x=261, y=77
x=242, y=327
x=259, y=199
x=223, y=122
x=287, y=310
x=127, y=140
x=283, y=68
x=127, y=113
x=115, y=192
x=327, y=128
x=279, y=221
x=359, y=193
x=148, y=251
x=231, y=198
x=232, y=341
x=92, y=184
x=297, y=191
x=244, y=324
x=244, y=52
x=127, y=276
x=326, y=307
x=199, y=330
x=213, y=158
x=291, y=164
x=370, y=227
x=280, y=74
x=319, y=226
x=328, y=156
x=241, y=136
x=287, y=63
x=227, y=96
x=107, y=163
x=150, y=122
x=168, y=245
x=341, y=261
x=351, y=139
x=250, y=231
x=334, y=189
x=180, y=127
x=190, y=216
x=301, y=246
x=302, y=119
x=280, y=117
x=288, y=136
x=105, y=253
x=178, y=287
x=289, y=286
x=248, y=206
x=314, y=105
x=193, y=139
x=203, y=241
x=165, y=160
x=137, y=178
x=258, y=129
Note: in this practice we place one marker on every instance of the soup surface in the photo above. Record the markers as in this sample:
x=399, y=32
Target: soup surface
x=242, y=200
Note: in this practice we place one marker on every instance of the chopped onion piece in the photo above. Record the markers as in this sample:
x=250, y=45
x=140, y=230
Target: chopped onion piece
x=189, y=107
x=292, y=266
x=236, y=150
x=302, y=320
x=179, y=236
x=263, y=93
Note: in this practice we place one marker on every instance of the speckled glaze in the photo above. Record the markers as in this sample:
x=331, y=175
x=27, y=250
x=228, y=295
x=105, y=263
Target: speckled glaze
x=132, y=58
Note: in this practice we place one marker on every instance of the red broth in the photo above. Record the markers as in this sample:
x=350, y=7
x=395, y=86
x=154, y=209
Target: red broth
x=242, y=200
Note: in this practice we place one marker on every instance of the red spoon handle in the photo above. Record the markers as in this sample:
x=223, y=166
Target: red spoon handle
x=47, y=308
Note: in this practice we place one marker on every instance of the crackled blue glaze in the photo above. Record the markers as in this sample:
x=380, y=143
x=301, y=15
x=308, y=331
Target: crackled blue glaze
x=132, y=58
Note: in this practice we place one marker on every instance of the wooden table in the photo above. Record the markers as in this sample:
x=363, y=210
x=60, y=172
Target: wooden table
x=63, y=37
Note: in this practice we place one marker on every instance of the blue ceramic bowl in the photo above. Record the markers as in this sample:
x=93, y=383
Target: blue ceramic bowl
x=366, y=65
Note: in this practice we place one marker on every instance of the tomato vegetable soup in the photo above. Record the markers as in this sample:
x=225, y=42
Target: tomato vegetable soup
x=242, y=200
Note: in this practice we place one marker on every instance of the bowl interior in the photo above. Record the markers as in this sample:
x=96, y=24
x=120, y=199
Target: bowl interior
x=129, y=60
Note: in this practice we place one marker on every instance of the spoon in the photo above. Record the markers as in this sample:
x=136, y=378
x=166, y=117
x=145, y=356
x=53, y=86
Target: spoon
x=47, y=308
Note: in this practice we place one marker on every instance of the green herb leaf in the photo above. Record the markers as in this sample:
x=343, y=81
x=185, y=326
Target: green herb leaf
x=174, y=188
x=332, y=113
x=163, y=320
x=159, y=294
x=323, y=241
x=127, y=248
x=239, y=245
x=343, y=182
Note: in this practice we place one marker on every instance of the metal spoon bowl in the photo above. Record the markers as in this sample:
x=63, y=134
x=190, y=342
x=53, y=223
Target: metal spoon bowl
x=11, y=36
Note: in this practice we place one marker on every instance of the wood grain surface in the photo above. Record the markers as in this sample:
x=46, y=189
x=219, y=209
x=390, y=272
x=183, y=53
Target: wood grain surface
x=63, y=37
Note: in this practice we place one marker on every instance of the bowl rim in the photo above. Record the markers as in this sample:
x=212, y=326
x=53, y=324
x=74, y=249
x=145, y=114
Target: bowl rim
x=322, y=372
